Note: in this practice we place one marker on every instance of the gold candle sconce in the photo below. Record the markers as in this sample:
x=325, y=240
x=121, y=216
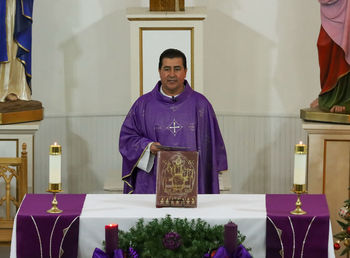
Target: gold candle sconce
x=298, y=189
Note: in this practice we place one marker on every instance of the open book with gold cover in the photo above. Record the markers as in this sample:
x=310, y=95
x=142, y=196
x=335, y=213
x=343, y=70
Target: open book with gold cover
x=177, y=179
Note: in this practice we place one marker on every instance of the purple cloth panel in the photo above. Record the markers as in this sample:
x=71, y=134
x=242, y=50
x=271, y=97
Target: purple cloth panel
x=34, y=207
x=98, y=253
x=240, y=252
x=313, y=226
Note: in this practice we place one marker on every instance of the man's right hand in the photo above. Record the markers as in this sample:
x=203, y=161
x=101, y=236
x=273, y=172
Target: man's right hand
x=154, y=149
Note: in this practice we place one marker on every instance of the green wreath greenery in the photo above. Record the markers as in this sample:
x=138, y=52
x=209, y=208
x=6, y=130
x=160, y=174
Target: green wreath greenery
x=344, y=235
x=197, y=237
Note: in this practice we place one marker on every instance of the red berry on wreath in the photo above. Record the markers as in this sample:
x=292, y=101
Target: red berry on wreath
x=348, y=230
x=336, y=246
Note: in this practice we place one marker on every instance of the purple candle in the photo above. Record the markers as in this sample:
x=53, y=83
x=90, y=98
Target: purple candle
x=111, y=237
x=230, y=237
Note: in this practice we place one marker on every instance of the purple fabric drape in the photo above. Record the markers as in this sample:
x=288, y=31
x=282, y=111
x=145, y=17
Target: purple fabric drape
x=41, y=234
x=98, y=253
x=297, y=235
x=221, y=252
x=240, y=252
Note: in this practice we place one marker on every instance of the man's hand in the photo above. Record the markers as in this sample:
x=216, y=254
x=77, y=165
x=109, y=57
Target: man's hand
x=154, y=149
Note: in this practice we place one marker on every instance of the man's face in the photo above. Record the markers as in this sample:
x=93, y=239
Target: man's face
x=172, y=75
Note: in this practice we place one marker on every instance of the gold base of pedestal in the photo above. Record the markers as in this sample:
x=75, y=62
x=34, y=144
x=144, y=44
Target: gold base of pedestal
x=298, y=189
x=54, y=188
x=298, y=211
x=54, y=210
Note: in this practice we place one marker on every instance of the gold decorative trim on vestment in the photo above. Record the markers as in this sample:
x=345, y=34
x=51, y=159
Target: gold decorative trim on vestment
x=132, y=170
x=21, y=46
x=28, y=17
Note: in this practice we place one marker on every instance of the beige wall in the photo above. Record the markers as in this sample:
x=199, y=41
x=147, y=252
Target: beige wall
x=262, y=54
x=260, y=68
x=259, y=55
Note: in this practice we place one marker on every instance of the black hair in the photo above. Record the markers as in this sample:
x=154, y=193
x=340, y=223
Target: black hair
x=172, y=53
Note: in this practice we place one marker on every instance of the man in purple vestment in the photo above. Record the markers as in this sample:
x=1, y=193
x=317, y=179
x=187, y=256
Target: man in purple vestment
x=172, y=114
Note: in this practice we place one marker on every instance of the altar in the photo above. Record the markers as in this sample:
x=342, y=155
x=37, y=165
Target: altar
x=249, y=211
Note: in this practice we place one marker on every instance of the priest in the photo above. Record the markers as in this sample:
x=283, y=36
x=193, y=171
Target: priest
x=172, y=114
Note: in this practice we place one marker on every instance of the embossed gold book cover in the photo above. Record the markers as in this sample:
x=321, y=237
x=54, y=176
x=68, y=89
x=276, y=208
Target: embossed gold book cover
x=177, y=179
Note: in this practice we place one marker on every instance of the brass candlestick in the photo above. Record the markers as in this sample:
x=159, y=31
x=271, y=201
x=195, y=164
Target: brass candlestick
x=54, y=188
x=298, y=189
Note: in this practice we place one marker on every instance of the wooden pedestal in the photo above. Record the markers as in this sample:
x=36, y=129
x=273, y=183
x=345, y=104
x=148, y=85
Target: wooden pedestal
x=329, y=165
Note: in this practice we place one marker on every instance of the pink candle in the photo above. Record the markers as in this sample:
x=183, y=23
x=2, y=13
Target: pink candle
x=111, y=237
x=230, y=237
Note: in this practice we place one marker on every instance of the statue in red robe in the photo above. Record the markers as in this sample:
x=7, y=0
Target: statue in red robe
x=334, y=56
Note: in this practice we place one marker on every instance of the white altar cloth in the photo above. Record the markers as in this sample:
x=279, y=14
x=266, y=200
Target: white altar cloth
x=248, y=211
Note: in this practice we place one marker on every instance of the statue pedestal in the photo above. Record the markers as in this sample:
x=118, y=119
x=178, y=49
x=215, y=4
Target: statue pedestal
x=12, y=137
x=21, y=111
x=329, y=164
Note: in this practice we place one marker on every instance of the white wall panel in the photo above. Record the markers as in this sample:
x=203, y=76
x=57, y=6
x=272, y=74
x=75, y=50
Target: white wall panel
x=260, y=152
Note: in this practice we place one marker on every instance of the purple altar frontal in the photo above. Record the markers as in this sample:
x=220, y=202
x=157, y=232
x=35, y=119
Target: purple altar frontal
x=264, y=219
x=297, y=235
x=41, y=234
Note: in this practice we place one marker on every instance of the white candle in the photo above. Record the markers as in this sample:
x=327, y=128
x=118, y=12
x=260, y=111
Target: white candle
x=55, y=164
x=300, y=164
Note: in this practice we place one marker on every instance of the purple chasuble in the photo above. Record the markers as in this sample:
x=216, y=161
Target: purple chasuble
x=186, y=121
